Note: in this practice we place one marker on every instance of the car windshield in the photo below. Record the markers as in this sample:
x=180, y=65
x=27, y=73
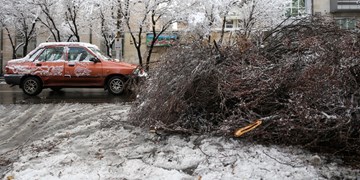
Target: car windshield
x=100, y=54
x=32, y=55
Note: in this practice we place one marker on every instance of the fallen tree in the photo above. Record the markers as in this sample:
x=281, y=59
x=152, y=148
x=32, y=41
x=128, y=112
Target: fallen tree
x=303, y=83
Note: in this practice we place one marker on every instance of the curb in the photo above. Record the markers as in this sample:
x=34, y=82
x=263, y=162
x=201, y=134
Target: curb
x=2, y=80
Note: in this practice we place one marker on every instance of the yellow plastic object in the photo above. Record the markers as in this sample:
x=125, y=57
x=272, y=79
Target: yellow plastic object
x=247, y=128
x=10, y=178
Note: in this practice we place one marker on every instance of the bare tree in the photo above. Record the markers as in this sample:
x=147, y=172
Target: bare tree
x=107, y=33
x=139, y=10
x=158, y=15
x=72, y=12
x=63, y=19
x=12, y=41
x=155, y=16
x=248, y=17
x=10, y=35
x=101, y=16
x=258, y=15
x=27, y=30
x=50, y=16
x=228, y=6
x=22, y=20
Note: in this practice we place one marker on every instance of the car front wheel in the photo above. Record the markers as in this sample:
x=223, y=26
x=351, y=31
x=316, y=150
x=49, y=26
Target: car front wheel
x=31, y=86
x=116, y=85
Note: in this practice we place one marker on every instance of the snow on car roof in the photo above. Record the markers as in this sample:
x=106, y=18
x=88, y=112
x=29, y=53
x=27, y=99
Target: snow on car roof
x=67, y=44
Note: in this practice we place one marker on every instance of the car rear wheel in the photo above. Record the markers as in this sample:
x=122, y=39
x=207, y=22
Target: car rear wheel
x=116, y=85
x=31, y=86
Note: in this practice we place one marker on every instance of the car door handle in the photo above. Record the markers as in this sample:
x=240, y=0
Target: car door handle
x=71, y=65
x=38, y=64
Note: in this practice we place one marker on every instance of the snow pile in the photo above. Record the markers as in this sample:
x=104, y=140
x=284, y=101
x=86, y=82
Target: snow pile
x=83, y=141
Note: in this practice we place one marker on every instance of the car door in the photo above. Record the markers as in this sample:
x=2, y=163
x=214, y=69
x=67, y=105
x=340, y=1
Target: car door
x=49, y=66
x=80, y=70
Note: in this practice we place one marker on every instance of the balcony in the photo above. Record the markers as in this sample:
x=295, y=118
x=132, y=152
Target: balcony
x=337, y=6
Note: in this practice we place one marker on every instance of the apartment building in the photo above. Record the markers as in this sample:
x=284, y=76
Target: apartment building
x=346, y=13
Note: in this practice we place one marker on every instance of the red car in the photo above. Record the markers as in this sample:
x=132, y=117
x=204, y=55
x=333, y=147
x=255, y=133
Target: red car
x=66, y=65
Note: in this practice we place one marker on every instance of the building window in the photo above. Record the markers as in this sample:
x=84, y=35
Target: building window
x=346, y=23
x=229, y=24
x=296, y=8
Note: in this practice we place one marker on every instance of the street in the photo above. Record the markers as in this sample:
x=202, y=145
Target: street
x=26, y=126
x=14, y=95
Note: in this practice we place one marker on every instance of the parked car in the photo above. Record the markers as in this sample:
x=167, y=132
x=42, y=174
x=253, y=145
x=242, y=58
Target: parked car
x=66, y=65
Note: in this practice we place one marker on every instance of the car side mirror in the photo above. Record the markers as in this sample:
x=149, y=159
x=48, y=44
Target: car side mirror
x=95, y=60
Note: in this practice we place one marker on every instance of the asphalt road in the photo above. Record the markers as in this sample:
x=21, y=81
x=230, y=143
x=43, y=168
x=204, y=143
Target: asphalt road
x=14, y=95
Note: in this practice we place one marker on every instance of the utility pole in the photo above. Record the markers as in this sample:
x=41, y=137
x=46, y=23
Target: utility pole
x=118, y=45
x=119, y=36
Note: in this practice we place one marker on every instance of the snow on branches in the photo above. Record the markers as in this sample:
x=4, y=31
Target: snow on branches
x=304, y=79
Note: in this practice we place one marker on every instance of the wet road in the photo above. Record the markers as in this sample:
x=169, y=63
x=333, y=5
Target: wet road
x=14, y=95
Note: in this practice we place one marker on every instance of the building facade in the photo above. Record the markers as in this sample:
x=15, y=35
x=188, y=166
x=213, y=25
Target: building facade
x=346, y=13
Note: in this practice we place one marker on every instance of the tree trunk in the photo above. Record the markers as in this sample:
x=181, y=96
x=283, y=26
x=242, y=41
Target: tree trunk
x=77, y=37
x=12, y=43
x=222, y=31
x=25, y=48
x=138, y=49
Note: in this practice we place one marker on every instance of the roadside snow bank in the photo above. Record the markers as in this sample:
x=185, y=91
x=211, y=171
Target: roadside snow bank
x=82, y=141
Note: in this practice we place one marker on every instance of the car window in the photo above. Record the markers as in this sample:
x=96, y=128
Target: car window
x=52, y=54
x=79, y=54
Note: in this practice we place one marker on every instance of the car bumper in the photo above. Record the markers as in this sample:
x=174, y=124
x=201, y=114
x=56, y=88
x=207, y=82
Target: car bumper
x=13, y=79
x=139, y=72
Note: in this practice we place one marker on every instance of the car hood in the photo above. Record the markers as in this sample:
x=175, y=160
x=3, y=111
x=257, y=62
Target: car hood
x=14, y=61
x=124, y=64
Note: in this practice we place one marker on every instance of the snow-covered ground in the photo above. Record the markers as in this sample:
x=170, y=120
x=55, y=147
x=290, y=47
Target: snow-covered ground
x=87, y=141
